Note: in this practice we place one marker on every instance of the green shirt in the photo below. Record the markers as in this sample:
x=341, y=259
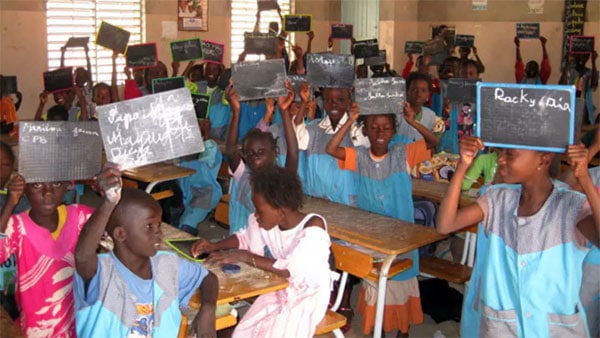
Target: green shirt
x=485, y=165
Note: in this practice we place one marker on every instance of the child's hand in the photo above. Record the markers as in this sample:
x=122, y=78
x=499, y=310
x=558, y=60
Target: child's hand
x=78, y=93
x=330, y=42
x=311, y=35
x=312, y=109
x=202, y=246
x=284, y=102
x=517, y=42
x=409, y=112
x=233, y=98
x=108, y=183
x=410, y=57
x=354, y=112
x=469, y=146
x=43, y=97
x=115, y=55
x=543, y=40
x=447, y=108
x=474, y=49
x=304, y=92
x=270, y=108
x=577, y=154
x=16, y=189
x=297, y=51
x=127, y=72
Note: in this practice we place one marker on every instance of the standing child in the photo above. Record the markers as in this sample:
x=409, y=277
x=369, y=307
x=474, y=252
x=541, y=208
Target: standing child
x=533, y=233
x=135, y=290
x=585, y=80
x=384, y=187
x=532, y=73
x=299, y=245
x=43, y=241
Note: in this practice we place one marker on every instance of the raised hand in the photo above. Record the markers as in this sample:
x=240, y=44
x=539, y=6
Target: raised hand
x=517, y=41
x=578, y=159
x=16, y=189
x=233, y=98
x=108, y=183
x=354, y=112
x=469, y=146
x=284, y=102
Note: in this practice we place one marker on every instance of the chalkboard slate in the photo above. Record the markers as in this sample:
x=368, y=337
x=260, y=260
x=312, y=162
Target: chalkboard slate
x=528, y=30
x=224, y=78
x=297, y=23
x=77, y=41
x=186, y=50
x=259, y=79
x=461, y=90
x=267, y=5
x=260, y=43
x=330, y=70
x=167, y=83
x=150, y=129
x=341, y=31
x=54, y=151
x=58, y=80
x=574, y=17
x=434, y=46
x=112, y=37
x=449, y=36
x=538, y=117
x=379, y=60
x=8, y=85
x=414, y=47
x=383, y=95
x=143, y=55
x=201, y=105
x=581, y=44
x=213, y=51
x=365, y=48
x=296, y=81
x=464, y=40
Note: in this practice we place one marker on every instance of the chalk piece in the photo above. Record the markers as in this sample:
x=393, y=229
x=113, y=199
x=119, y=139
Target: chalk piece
x=230, y=268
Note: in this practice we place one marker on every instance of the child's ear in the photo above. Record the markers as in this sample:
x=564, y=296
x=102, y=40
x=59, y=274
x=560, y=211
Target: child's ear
x=119, y=234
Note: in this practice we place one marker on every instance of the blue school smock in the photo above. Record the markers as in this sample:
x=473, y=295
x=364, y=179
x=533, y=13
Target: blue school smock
x=279, y=134
x=449, y=140
x=219, y=112
x=240, y=202
x=590, y=287
x=323, y=177
x=251, y=113
x=586, y=90
x=527, y=273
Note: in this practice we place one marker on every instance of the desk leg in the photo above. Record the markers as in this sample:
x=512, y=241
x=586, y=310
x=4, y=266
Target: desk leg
x=383, y=276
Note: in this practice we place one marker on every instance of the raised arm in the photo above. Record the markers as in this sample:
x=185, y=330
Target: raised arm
x=63, y=49
x=113, y=78
x=333, y=147
x=519, y=66
x=284, y=102
x=564, y=75
x=545, y=68
x=16, y=188
x=40, y=109
x=233, y=155
x=480, y=66
x=304, y=92
x=84, y=114
x=311, y=36
x=109, y=186
x=89, y=67
x=409, y=116
x=589, y=226
x=450, y=218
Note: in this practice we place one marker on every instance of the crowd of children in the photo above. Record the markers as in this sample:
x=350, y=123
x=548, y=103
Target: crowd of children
x=278, y=150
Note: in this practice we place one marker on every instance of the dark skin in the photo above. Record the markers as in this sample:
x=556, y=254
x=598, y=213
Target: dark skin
x=212, y=71
x=336, y=102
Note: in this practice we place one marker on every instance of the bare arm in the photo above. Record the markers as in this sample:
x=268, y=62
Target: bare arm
x=311, y=36
x=16, y=188
x=518, y=49
x=113, y=78
x=333, y=147
x=203, y=324
x=409, y=116
x=83, y=116
x=63, y=49
x=480, y=66
x=291, y=160
x=89, y=67
x=233, y=155
x=40, y=109
x=589, y=226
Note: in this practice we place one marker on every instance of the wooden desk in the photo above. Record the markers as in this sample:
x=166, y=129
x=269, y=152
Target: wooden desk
x=379, y=233
x=8, y=328
x=436, y=191
x=157, y=173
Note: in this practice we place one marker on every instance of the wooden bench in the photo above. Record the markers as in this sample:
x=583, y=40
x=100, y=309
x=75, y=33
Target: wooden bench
x=444, y=269
x=332, y=321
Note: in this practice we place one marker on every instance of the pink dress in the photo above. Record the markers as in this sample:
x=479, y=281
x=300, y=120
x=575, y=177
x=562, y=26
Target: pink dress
x=297, y=310
x=44, y=272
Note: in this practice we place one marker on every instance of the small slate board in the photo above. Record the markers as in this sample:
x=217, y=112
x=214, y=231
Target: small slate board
x=538, y=117
x=296, y=81
x=414, y=47
x=259, y=79
x=383, y=95
x=579, y=44
x=267, y=5
x=224, y=78
x=8, y=85
x=55, y=151
x=186, y=50
x=379, y=60
x=167, y=83
x=464, y=41
x=461, y=90
x=365, y=48
x=201, y=105
x=77, y=41
x=297, y=23
x=58, y=80
x=450, y=36
x=330, y=70
x=528, y=30
x=150, y=129
x=341, y=31
x=112, y=37
x=434, y=46
x=214, y=52
x=143, y=55
x=260, y=43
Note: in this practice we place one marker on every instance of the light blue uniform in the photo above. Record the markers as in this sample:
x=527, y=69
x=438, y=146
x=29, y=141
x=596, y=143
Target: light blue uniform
x=219, y=113
x=527, y=275
x=590, y=287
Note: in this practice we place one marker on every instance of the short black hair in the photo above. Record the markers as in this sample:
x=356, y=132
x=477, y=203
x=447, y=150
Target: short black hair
x=466, y=63
x=413, y=76
x=97, y=87
x=280, y=187
x=390, y=116
x=57, y=113
x=5, y=148
x=258, y=134
x=130, y=197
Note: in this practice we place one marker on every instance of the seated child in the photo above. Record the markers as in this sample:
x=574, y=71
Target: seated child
x=135, y=290
x=484, y=165
x=532, y=73
x=299, y=245
x=43, y=241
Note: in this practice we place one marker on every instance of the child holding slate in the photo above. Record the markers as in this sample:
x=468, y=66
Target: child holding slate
x=585, y=79
x=532, y=73
x=533, y=232
x=135, y=290
x=43, y=241
x=384, y=187
x=299, y=245
x=219, y=110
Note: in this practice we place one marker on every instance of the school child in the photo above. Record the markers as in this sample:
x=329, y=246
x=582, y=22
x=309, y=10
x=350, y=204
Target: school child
x=448, y=69
x=83, y=76
x=532, y=73
x=43, y=241
x=484, y=165
x=384, y=187
x=135, y=290
x=584, y=79
x=220, y=110
x=299, y=246
x=258, y=151
x=464, y=57
x=425, y=124
x=531, y=244
x=133, y=90
x=65, y=99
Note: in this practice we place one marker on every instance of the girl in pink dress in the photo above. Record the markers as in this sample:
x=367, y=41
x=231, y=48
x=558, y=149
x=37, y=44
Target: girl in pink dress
x=43, y=241
x=299, y=246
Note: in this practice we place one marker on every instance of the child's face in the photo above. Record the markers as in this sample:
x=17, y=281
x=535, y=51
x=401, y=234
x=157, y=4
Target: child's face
x=464, y=52
x=418, y=92
x=45, y=197
x=142, y=229
x=379, y=130
x=531, y=69
x=258, y=153
x=102, y=96
x=211, y=73
x=336, y=102
x=158, y=72
x=267, y=216
x=196, y=74
x=470, y=72
x=449, y=69
x=6, y=168
x=519, y=165
x=63, y=98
